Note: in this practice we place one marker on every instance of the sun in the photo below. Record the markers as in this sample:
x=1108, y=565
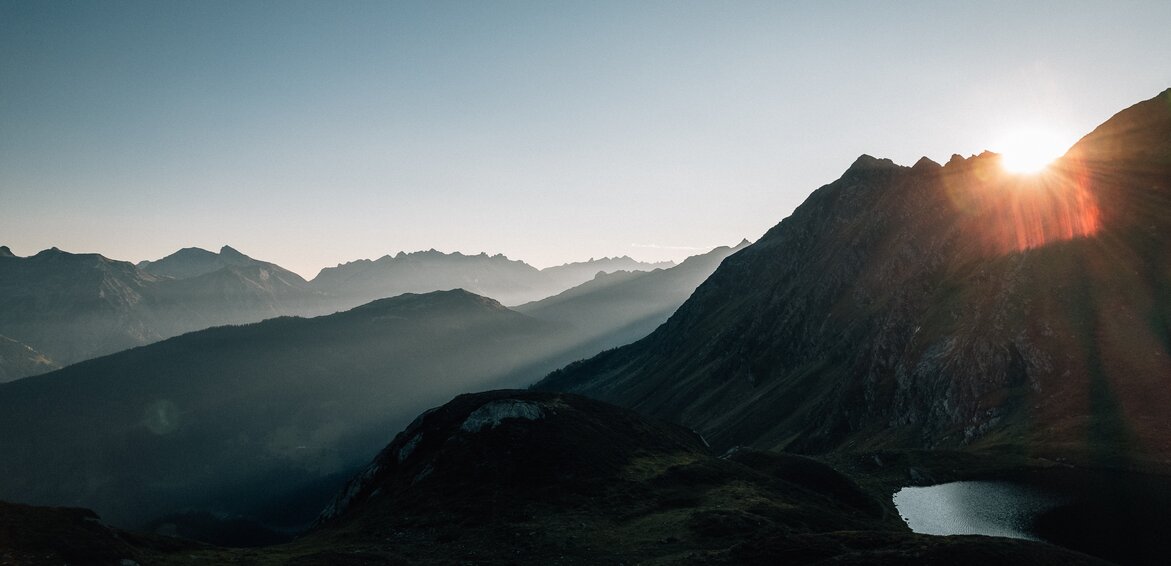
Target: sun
x=1030, y=150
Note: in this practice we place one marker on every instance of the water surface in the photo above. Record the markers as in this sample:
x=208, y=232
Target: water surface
x=992, y=508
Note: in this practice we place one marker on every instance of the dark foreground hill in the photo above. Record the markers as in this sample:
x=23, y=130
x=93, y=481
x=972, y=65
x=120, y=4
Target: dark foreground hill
x=936, y=306
x=262, y=421
x=521, y=477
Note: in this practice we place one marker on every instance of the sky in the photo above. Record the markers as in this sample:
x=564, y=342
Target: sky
x=314, y=133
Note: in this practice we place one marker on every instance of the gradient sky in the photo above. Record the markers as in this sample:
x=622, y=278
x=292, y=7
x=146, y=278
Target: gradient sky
x=315, y=133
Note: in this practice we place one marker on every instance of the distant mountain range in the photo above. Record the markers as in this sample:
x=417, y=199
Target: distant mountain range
x=936, y=306
x=73, y=307
x=509, y=281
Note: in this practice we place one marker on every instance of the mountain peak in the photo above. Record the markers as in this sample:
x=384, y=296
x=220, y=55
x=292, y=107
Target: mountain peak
x=5, y=252
x=865, y=161
x=51, y=252
x=925, y=163
x=232, y=252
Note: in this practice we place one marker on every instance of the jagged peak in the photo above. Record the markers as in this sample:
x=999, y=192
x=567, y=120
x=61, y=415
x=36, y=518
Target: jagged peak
x=925, y=163
x=866, y=161
x=231, y=252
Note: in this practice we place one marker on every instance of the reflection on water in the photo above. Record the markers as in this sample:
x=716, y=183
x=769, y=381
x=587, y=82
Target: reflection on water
x=992, y=508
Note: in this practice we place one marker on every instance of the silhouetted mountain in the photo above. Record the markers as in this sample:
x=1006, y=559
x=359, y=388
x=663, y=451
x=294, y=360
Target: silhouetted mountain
x=576, y=273
x=935, y=306
x=252, y=420
x=18, y=360
x=618, y=308
x=509, y=281
x=193, y=262
x=75, y=306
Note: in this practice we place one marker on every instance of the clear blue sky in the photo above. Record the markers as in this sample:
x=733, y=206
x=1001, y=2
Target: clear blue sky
x=314, y=133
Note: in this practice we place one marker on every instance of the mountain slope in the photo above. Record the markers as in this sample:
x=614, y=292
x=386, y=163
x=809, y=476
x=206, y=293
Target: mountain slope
x=74, y=306
x=254, y=420
x=193, y=262
x=936, y=306
x=18, y=360
x=580, y=272
x=234, y=295
x=618, y=308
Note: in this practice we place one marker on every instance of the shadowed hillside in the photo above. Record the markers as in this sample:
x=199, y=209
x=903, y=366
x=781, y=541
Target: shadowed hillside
x=260, y=421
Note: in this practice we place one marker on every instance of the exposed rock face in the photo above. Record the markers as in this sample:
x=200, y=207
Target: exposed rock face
x=490, y=415
x=935, y=306
x=18, y=360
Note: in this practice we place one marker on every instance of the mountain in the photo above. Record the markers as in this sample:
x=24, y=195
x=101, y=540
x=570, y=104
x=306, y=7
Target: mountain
x=936, y=306
x=576, y=273
x=511, y=282
x=193, y=262
x=261, y=421
x=420, y=272
x=617, y=308
x=236, y=290
x=75, y=306
x=18, y=360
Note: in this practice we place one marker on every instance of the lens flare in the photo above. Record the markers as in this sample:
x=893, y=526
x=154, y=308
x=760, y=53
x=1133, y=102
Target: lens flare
x=1028, y=151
